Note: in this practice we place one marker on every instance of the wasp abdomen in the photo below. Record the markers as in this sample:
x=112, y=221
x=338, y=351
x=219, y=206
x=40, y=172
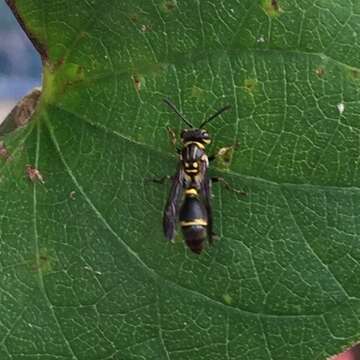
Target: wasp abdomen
x=193, y=221
x=195, y=235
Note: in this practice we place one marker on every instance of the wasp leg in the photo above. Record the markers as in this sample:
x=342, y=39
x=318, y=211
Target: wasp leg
x=172, y=136
x=224, y=152
x=159, y=180
x=227, y=185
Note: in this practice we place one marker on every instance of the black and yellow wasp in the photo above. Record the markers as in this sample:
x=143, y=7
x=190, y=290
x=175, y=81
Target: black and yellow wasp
x=189, y=200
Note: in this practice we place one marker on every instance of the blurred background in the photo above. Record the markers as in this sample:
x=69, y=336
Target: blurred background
x=20, y=64
x=20, y=71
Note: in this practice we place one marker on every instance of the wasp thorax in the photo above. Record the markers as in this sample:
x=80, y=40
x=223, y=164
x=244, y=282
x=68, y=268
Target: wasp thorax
x=195, y=135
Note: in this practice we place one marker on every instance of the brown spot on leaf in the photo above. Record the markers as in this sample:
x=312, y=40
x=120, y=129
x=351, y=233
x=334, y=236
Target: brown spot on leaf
x=224, y=156
x=226, y=153
x=4, y=153
x=355, y=74
x=80, y=70
x=320, y=72
x=250, y=85
x=60, y=62
x=272, y=7
x=146, y=28
x=34, y=174
x=275, y=5
x=138, y=81
x=169, y=5
x=41, y=263
x=134, y=18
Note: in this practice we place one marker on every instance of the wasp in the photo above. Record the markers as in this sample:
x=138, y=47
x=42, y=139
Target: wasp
x=189, y=201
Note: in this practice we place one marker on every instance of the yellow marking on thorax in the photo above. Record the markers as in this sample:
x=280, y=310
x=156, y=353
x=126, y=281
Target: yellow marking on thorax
x=191, y=191
x=194, y=222
x=198, y=144
x=193, y=171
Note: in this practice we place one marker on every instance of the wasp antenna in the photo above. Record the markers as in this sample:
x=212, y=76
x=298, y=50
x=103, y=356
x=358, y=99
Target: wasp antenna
x=225, y=108
x=173, y=107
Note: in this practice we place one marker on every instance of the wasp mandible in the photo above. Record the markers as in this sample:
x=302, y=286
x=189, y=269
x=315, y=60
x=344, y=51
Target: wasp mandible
x=189, y=201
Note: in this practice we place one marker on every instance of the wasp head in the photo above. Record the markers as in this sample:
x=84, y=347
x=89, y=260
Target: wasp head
x=195, y=134
x=198, y=135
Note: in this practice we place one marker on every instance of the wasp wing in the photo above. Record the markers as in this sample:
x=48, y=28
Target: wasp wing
x=172, y=206
x=205, y=192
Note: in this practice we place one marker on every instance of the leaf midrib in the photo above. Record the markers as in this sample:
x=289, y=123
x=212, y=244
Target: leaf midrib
x=37, y=252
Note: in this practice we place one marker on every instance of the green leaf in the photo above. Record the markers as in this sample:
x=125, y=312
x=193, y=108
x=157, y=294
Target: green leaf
x=85, y=270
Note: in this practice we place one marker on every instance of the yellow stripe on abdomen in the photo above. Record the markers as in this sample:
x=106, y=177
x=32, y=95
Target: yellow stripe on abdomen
x=191, y=191
x=202, y=222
